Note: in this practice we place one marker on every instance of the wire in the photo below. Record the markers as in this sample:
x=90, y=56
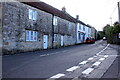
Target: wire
x=113, y=11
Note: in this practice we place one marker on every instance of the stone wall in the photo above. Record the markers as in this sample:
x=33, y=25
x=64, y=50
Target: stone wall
x=62, y=29
x=15, y=23
x=0, y=28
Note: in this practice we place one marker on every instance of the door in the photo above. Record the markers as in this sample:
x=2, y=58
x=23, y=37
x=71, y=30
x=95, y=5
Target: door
x=62, y=41
x=45, y=40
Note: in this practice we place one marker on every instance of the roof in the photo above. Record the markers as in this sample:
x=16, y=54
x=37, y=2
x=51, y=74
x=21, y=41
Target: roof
x=47, y=8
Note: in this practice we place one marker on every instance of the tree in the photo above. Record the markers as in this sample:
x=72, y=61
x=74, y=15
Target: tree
x=111, y=32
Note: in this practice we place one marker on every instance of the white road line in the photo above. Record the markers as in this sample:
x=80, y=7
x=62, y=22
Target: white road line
x=106, y=56
x=58, y=75
x=88, y=71
x=83, y=62
x=90, y=58
x=43, y=55
x=96, y=63
x=95, y=56
x=72, y=68
x=101, y=59
x=103, y=49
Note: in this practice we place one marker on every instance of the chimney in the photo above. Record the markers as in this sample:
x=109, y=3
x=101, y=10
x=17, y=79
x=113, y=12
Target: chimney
x=63, y=9
x=77, y=17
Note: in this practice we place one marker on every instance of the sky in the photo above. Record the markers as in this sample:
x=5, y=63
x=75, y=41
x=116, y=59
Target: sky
x=96, y=13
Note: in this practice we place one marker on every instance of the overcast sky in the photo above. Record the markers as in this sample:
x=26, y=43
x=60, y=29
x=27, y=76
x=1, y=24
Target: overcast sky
x=97, y=13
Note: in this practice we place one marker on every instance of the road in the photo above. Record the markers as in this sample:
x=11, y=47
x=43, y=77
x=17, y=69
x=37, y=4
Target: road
x=67, y=62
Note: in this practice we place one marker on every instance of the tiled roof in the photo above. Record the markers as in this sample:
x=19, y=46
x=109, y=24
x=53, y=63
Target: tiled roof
x=47, y=8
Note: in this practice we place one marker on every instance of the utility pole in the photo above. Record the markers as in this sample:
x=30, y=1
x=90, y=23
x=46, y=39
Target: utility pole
x=111, y=21
x=119, y=12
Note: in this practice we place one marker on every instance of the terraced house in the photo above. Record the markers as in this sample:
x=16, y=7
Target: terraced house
x=30, y=26
x=82, y=31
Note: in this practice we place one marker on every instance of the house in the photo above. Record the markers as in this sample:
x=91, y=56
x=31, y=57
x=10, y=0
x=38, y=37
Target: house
x=83, y=31
x=30, y=26
x=94, y=33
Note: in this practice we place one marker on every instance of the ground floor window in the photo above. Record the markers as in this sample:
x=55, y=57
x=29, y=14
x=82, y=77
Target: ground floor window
x=79, y=36
x=55, y=38
x=31, y=35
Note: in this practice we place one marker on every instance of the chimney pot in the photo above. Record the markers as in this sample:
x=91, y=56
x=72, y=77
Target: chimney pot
x=77, y=17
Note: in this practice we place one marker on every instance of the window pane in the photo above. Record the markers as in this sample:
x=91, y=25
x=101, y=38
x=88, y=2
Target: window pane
x=35, y=36
x=54, y=21
x=27, y=35
x=30, y=14
x=31, y=35
x=34, y=15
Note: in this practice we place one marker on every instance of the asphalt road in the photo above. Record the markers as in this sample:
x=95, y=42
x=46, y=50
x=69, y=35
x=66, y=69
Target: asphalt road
x=47, y=63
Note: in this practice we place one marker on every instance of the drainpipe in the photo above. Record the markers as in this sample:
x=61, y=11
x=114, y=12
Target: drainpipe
x=52, y=32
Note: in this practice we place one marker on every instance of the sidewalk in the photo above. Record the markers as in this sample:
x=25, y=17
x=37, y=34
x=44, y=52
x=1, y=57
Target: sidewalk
x=114, y=69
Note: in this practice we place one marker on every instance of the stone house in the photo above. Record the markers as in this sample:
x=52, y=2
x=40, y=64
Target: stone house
x=30, y=26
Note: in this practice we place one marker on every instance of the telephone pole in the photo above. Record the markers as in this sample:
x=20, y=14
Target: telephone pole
x=119, y=12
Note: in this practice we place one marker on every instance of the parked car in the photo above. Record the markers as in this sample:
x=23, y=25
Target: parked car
x=90, y=40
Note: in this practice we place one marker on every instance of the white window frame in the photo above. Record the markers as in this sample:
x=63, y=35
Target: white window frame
x=55, y=22
x=32, y=14
x=31, y=35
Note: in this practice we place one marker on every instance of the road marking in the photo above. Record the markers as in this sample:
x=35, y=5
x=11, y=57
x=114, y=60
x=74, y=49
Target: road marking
x=90, y=58
x=95, y=56
x=83, y=62
x=106, y=56
x=101, y=59
x=72, y=68
x=58, y=75
x=43, y=55
x=88, y=71
x=103, y=49
x=96, y=63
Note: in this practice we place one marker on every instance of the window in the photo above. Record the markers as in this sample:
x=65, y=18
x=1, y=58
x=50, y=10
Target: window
x=79, y=36
x=55, y=21
x=55, y=37
x=79, y=27
x=32, y=14
x=83, y=27
x=69, y=26
x=69, y=38
x=31, y=35
x=89, y=30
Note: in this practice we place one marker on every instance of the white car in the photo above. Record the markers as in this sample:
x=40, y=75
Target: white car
x=104, y=38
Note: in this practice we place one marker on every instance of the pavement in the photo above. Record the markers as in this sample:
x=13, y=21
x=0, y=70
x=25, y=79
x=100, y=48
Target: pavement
x=82, y=62
x=114, y=69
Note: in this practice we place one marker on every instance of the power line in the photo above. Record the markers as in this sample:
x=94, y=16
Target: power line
x=113, y=11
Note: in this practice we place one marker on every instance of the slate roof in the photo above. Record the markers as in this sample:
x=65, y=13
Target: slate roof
x=50, y=9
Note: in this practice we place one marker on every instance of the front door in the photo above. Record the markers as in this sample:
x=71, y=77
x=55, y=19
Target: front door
x=45, y=40
x=62, y=41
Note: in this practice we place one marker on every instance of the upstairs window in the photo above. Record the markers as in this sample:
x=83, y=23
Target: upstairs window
x=31, y=35
x=83, y=27
x=79, y=27
x=32, y=14
x=55, y=21
x=69, y=26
